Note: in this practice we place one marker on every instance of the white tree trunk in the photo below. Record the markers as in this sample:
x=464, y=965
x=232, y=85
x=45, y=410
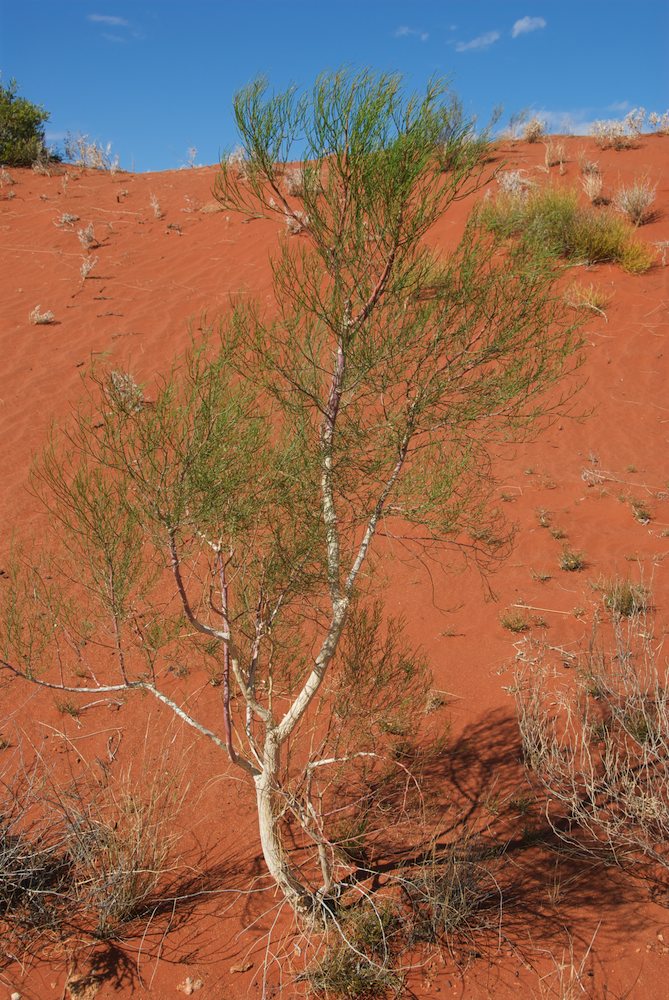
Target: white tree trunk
x=296, y=894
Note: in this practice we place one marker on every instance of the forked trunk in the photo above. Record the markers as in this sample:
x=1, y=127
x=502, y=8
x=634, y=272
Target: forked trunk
x=296, y=894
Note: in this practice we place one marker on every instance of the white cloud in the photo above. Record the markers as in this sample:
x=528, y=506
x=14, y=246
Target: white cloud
x=109, y=20
x=527, y=24
x=480, y=42
x=404, y=32
x=619, y=106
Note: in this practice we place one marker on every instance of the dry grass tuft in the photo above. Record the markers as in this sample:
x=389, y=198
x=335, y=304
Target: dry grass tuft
x=38, y=318
x=635, y=201
x=600, y=748
x=590, y=296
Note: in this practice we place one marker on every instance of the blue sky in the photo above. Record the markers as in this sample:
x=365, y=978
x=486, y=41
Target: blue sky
x=155, y=77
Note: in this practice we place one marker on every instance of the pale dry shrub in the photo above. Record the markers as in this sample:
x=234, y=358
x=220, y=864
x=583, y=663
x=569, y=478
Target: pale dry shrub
x=569, y=977
x=587, y=166
x=296, y=222
x=120, y=839
x=635, y=201
x=124, y=392
x=513, y=182
x=41, y=168
x=587, y=297
x=6, y=177
x=659, y=122
x=615, y=134
x=556, y=154
x=599, y=746
x=534, y=130
x=66, y=219
x=238, y=160
x=294, y=181
x=38, y=318
x=85, y=152
x=86, y=237
x=87, y=266
x=155, y=205
x=592, y=185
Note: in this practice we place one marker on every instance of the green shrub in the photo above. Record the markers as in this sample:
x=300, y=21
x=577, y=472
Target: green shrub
x=552, y=222
x=21, y=129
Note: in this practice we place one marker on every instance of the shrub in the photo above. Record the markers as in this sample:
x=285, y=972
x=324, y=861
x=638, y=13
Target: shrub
x=587, y=297
x=556, y=155
x=514, y=621
x=38, y=318
x=449, y=896
x=592, y=186
x=623, y=134
x=635, y=201
x=571, y=561
x=86, y=237
x=294, y=181
x=356, y=962
x=624, y=598
x=21, y=129
x=119, y=843
x=600, y=749
x=513, y=182
x=552, y=221
x=659, y=122
x=85, y=152
x=534, y=130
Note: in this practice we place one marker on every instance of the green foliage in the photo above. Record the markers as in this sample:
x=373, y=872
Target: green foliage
x=552, y=221
x=21, y=129
x=229, y=518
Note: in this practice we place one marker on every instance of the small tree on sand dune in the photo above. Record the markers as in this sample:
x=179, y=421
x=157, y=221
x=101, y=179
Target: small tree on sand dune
x=232, y=517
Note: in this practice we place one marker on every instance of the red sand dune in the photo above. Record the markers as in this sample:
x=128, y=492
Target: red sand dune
x=155, y=279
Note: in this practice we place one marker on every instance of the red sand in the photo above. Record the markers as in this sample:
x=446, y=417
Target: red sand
x=154, y=278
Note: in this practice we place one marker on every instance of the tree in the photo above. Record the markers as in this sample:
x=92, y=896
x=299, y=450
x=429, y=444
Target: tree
x=21, y=129
x=250, y=490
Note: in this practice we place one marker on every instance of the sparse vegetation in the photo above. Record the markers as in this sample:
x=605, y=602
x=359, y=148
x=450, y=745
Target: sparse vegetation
x=38, y=318
x=624, y=598
x=534, y=130
x=88, y=264
x=620, y=134
x=293, y=180
x=155, y=207
x=86, y=237
x=81, y=862
x=659, y=122
x=85, y=152
x=556, y=155
x=588, y=297
x=571, y=561
x=599, y=750
x=514, y=183
x=641, y=511
x=592, y=184
x=67, y=219
x=514, y=620
x=636, y=200
x=552, y=222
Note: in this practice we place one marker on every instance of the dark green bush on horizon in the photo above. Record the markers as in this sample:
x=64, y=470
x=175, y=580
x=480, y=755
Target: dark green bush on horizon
x=21, y=129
